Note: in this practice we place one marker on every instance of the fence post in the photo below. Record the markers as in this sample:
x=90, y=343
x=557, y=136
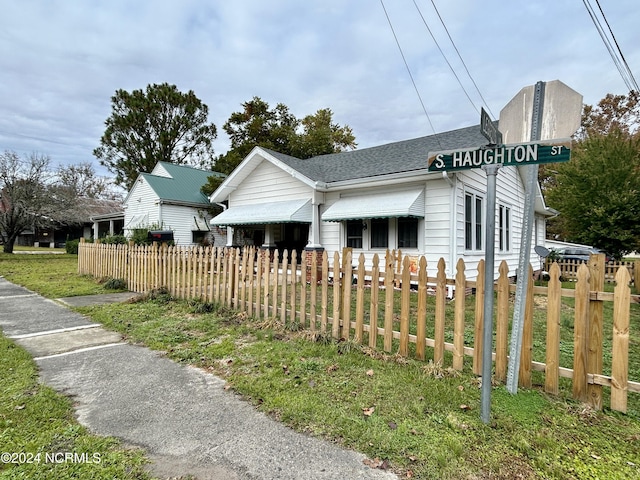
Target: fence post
x=594, y=351
x=405, y=289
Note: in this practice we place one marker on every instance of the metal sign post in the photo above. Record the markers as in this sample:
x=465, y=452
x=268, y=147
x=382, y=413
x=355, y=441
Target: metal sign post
x=517, y=326
x=490, y=158
x=487, y=328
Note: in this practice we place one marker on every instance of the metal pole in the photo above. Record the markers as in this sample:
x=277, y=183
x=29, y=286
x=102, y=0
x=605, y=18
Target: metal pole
x=487, y=328
x=530, y=182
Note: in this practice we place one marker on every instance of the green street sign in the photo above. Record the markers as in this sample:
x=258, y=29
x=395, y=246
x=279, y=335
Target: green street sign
x=515, y=155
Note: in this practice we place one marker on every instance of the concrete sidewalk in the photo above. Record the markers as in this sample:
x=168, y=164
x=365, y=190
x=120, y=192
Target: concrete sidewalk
x=182, y=416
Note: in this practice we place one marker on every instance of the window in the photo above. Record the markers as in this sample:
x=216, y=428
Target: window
x=379, y=233
x=504, y=228
x=407, y=232
x=198, y=236
x=354, y=233
x=473, y=221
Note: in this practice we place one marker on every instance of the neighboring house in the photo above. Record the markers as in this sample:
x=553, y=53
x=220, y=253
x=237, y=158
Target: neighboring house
x=74, y=222
x=169, y=198
x=376, y=199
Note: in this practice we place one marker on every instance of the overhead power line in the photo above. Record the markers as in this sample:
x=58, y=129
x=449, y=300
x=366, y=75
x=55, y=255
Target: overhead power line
x=409, y=70
x=461, y=59
x=614, y=52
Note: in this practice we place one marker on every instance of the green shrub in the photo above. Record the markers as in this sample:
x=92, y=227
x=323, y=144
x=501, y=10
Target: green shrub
x=114, y=239
x=115, y=284
x=71, y=246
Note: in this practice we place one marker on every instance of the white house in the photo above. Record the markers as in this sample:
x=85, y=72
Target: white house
x=375, y=199
x=169, y=198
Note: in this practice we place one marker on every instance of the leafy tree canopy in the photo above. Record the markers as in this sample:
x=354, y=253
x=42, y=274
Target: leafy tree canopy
x=278, y=129
x=613, y=112
x=159, y=124
x=598, y=193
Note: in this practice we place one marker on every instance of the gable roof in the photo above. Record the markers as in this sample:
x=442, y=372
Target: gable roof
x=323, y=170
x=183, y=185
x=397, y=157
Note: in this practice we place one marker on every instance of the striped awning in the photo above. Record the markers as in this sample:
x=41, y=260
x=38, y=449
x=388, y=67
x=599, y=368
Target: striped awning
x=406, y=203
x=292, y=211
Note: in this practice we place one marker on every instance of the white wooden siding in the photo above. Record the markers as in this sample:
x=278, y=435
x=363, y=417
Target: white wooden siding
x=180, y=220
x=160, y=171
x=141, y=208
x=268, y=183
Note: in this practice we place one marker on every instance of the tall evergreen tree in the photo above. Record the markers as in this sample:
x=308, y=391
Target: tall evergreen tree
x=159, y=124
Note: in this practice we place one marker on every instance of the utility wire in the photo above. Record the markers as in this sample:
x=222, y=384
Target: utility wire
x=624, y=60
x=461, y=59
x=445, y=57
x=625, y=73
x=410, y=75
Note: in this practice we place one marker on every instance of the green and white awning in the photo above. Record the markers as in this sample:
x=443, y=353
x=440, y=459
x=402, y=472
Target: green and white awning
x=406, y=203
x=292, y=211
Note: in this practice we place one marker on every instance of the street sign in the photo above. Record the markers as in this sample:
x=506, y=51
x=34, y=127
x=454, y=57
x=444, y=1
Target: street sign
x=505, y=155
x=489, y=129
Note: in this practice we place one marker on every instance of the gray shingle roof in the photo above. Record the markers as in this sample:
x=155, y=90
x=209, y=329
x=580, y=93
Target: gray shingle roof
x=397, y=157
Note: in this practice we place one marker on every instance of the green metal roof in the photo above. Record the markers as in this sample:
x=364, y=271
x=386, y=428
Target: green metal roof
x=183, y=187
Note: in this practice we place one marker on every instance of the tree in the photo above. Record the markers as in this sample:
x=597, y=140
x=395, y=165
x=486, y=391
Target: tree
x=25, y=198
x=159, y=124
x=613, y=112
x=278, y=129
x=598, y=193
x=81, y=181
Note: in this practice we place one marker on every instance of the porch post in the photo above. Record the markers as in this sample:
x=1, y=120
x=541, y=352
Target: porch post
x=229, y=236
x=314, y=231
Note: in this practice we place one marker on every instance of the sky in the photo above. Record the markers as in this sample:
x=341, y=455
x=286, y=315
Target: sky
x=61, y=61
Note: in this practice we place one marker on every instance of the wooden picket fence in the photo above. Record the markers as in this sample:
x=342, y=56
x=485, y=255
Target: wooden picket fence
x=569, y=270
x=329, y=296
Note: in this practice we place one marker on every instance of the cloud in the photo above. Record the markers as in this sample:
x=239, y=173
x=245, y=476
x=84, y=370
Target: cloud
x=61, y=61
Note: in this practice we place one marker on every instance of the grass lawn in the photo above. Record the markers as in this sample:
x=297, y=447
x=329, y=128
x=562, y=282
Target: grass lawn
x=418, y=419
x=38, y=426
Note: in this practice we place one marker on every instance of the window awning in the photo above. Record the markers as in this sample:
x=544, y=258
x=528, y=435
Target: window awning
x=293, y=211
x=408, y=203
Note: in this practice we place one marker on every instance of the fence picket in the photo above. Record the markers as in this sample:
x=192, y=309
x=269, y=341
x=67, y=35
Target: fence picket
x=249, y=280
x=441, y=299
x=620, y=347
x=335, y=326
x=374, y=303
x=554, y=308
x=477, y=339
x=581, y=335
x=502, y=322
x=359, y=332
x=458, y=327
x=421, y=333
